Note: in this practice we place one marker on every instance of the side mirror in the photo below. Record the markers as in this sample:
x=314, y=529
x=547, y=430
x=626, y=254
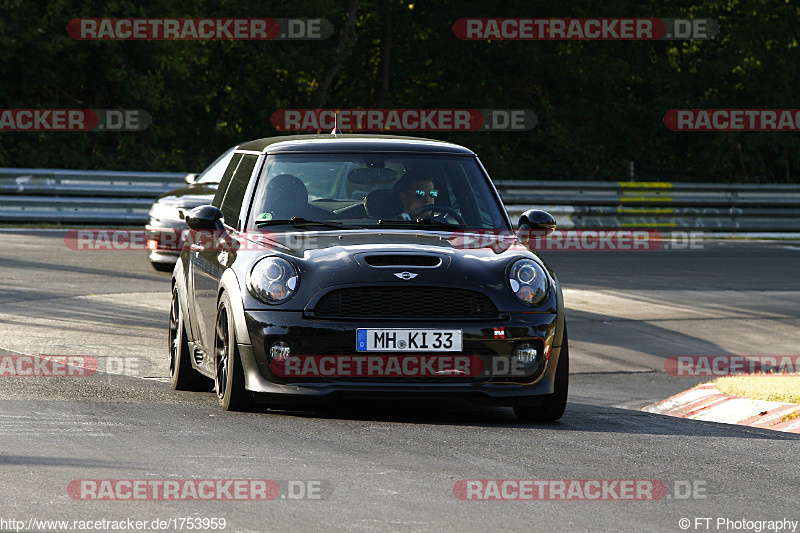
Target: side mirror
x=190, y=178
x=535, y=224
x=205, y=217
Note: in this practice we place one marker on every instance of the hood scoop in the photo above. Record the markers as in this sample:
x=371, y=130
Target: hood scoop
x=411, y=260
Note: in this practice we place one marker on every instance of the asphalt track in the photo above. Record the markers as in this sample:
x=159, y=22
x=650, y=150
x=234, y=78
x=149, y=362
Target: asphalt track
x=393, y=465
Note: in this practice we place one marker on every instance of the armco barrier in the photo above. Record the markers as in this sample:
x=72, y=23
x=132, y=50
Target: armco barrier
x=100, y=197
x=659, y=205
x=81, y=196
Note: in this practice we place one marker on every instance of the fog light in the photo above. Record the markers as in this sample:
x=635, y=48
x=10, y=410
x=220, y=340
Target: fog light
x=279, y=351
x=526, y=353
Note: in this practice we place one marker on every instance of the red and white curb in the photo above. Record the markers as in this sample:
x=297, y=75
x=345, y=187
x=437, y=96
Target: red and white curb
x=705, y=402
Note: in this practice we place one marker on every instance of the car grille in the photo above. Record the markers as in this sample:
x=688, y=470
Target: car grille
x=403, y=260
x=405, y=302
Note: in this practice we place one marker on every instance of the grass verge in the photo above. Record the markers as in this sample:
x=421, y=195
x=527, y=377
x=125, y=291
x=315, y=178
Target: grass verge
x=772, y=387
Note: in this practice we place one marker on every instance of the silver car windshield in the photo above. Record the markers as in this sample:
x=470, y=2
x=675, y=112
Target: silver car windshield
x=376, y=190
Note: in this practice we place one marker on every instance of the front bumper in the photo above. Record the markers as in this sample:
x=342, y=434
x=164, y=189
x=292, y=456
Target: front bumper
x=165, y=240
x=492, y=342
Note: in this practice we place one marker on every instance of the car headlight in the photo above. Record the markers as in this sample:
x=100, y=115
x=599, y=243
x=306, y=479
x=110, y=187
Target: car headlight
x=161, y=211
x=273, y=280
x=528, y=281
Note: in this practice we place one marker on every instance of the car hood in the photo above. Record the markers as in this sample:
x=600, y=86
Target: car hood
x=331, y=259
x=321, y=245
x=190, y=195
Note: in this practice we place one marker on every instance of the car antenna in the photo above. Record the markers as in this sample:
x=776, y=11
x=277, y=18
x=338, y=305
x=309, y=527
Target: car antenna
x=336, y=130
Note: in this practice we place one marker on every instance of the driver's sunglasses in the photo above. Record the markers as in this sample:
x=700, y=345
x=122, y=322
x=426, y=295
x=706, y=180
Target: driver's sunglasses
x=421, y=193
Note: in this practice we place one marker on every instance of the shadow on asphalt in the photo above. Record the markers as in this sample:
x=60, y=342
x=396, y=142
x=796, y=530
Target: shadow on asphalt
x=111, y=273
x=157, y=400
x=88, y=316
x=578, y=417
x=665, y=342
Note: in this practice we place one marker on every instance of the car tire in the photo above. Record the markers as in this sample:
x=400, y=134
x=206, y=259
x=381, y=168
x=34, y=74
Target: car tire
x=181, y=374
x=228, y=373
x=163, y=267
x=556, y=403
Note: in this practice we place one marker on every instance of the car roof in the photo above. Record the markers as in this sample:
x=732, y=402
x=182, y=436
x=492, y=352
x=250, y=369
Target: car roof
x=352, y=144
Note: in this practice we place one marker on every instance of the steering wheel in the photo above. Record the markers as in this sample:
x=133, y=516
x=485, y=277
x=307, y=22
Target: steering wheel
x=433, y=208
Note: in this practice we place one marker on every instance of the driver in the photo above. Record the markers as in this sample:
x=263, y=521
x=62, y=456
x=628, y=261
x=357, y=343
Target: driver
x=415, y=191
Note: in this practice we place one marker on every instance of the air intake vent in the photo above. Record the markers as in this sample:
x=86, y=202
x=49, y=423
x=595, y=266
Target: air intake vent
x=403, y=260
x=405, y=303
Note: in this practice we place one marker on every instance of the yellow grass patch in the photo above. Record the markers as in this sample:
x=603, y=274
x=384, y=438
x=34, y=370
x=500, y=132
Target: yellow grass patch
x=791, y=416
x=772, y=387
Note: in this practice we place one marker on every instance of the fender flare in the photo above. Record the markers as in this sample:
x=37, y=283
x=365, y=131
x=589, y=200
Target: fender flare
x=561, y=323
x=229, y=283
x=179, y=281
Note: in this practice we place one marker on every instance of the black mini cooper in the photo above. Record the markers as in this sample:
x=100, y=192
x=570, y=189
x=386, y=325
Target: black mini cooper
x=366, y=266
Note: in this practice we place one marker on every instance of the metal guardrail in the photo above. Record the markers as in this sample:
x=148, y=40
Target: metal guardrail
x=659, y=205
x=104, y=197
x=81, y=196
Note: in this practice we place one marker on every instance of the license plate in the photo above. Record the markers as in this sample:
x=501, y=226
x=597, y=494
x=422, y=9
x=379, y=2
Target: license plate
x=408, y=340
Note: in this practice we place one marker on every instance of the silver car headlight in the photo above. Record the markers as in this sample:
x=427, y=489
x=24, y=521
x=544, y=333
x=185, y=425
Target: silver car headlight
x=528, y=281
x=273, y=280
x=161, y=211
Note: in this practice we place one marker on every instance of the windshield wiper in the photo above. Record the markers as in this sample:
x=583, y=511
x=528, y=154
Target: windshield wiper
x=299, y=222
x=427, y=222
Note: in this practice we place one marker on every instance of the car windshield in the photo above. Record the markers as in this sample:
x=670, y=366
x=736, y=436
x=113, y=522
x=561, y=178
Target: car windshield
x=375, y=190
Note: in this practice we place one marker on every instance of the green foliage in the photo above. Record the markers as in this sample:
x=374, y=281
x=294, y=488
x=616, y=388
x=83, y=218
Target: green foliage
x=600, y=104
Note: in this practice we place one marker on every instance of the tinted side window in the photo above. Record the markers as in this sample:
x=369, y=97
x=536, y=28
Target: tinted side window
x=226, y=180
x=232, y=202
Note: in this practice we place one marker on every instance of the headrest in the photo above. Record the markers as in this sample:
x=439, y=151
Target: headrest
x=383, y=204
x=285, y=192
